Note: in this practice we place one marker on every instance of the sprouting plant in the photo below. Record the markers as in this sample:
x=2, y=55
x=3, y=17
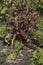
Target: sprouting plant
x=37, y=56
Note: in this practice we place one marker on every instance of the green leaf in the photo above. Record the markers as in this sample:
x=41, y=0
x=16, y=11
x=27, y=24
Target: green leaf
x=20, y=53
x=18, y=46
x=3, y=10
x=2, y=29
x=38, y=56
x=34, y=54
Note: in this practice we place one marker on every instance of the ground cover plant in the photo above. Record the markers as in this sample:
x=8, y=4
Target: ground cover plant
x=21, y=24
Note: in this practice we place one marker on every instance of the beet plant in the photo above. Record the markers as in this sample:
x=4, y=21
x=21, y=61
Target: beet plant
x=21, y=25
x=21, y=21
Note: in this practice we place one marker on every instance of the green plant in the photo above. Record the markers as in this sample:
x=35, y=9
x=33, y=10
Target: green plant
x=38, y=56
x=39, y=33
x=2, y=29
x=1, y=1
x=37, y=5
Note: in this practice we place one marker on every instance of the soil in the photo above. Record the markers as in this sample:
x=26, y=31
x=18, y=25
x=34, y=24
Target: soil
x=25, y=60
